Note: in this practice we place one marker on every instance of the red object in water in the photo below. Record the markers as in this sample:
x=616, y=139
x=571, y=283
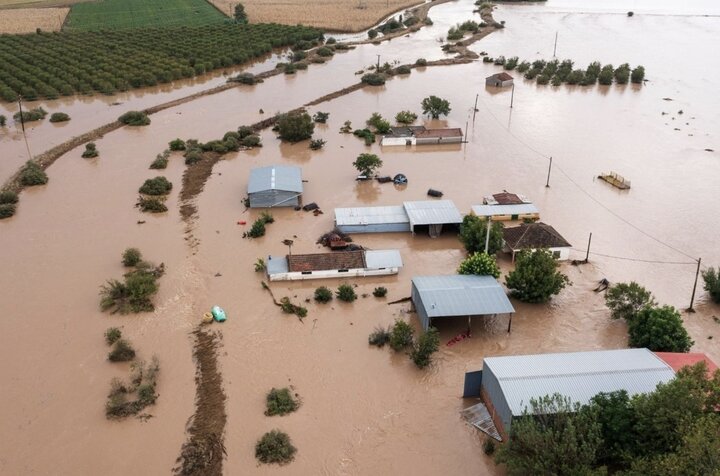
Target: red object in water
x=242, y=222
x=458, y=338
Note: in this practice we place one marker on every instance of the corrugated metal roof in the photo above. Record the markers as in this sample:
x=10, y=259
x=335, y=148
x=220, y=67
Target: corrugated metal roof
x=432, y=212
x=370, y=215
x=462, y=295
x=492, y=210
x=275, y=177
x=577, y=375
x=377, y=259
x=276, y=264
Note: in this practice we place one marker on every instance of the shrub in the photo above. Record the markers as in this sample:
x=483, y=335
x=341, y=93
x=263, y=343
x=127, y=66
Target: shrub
x=427, y=344
x=543, y=79
x=480, y=264
x=536, y=277
x=7, y=210
x=289, y=68
x=473, y=231
x=133, y=295
x=260, y=265
x=367, y=164
x=266, y=218
x=35, y=114
x=379, y=337
x=280, y=402
x=3, y=120
x=405, y=117
x=523, y=67
x=161, y=160
x=379, y=123
x=366, y=134
x=711, y=277
x=295, y=126
x=244, y=131
x=659, y=329
x=245, y=78
x=59, y=117
x=454, y=34
x=156, y=186
x=122, y=351
x=131, y=257
x=622, y=74
x=434, y=107
x=151, y=204
x=317, y=144
x=404, y=69
x=346, y=293
x=638, y=74
x=511, y=63
x=321, y=117
x=193, y=157
x=134, y=118
x=330, y=41
x=489, y=446
x=112, y=334
x=90, y=151
x=31, y=174
x=373, y=79
x=325, y=51
x=346, y=128
x=289, y=308
x=625, y=300
x=177, y=144
x=275, y=447
x=299, y=55
x=401, y=335
x=372, y=34
x=606, y=75
x=257, y=229
x=323, y=294
x=380, y=292
x=8, y=197
x=421, y=62
x=251, y=141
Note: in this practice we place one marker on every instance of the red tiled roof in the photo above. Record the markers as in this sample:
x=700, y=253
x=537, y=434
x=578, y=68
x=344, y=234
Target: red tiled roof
x=326, y=261
x=455, y=132
x=501, y=76
x=678, y=360
x=533, y=236
x=506, y=198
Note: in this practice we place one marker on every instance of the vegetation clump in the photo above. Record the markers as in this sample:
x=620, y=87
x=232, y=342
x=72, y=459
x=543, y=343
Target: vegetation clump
x=403, y=69
x=112, y=335
x=295, y=126
x=711, y=277
x=405, y=117
x=367, y=164
x=427, y=344
x=380, y=292
x=275, y=447
x=280, y=402
x=8, y=197
x=122, y=351
x=7, y=210
x=133, y=294
x=317, y=144
x=434, y=107
x=32, y=174
x=90, y=151
x=379, y=337
x=126, y=399
x=323, y=294
x=258, y=227
x=372, y=33
x=135, y=118
x=421, y=62
x=177, y=144
x=625, y=300
x=321, y=117
x=325, y=51
x=59, y=117
x=366, y=134
x=3, y=120
x=536, y=277
x=245, y=78
x=373, y=79
x=480, y=264
x=156, y=186
x=381, y=125
x=401, y=335
x=131, y=257
x=161, y=161
x=473, y=232
x=288, y=307
x=151, y=205
x=346, y=293
x=35, y=114
x=659, y=329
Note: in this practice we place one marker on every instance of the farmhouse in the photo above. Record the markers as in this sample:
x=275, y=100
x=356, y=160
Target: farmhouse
x=499, y=80
x=411, y=216
x=342, y=264
x=419, y=135
x=522, y=211
x=533, y=236
x=438, y=297
x=506, y=198
x=275, y=186
x=507, y=384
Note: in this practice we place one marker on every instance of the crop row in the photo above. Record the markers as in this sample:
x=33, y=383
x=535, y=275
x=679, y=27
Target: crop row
x=49, y=65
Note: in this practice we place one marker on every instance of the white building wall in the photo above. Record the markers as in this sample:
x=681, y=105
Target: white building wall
x=333, y=273
x=388, y=140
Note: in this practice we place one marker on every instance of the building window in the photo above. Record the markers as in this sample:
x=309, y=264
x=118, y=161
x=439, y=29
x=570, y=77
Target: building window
x=342, y=270
x=307, y=272
x=556, y=254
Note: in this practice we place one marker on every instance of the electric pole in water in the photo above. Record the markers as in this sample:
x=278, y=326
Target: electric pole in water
x=487, y=236
x=22, y=124
x=587, y=254
x=475, y=108
x=692, y=298
x=555, y=47
x=547, y=184
x=512, y=95
x=378, y=64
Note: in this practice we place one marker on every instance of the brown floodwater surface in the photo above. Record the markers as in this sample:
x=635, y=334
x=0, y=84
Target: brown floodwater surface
x=364, y=410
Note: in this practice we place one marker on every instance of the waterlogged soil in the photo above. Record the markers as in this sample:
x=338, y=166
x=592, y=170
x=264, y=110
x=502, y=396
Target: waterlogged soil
x=365, y=410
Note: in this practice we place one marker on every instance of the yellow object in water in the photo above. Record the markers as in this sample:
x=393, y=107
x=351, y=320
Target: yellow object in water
x=207, y=318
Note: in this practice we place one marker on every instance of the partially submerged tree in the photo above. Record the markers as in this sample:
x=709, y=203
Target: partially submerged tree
x=275, y=447
x=625, y=300
x=131, y=257
x=427, y=344
x=405, y=117
x=401, y=335
x=346, y=293
x=536, y=277
x=473, y=232
x=712, y=283
x=295, y=126
x=32, y=174
x=367, y=164
x=660, y=329
x=239, y=14
x=480, y=264
x=434, y=107
x=280, y=402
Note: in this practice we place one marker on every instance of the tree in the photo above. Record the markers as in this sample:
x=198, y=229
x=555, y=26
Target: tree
x=536, y=277
x=617, y=420
x=480, y=264
x=606, y=75
x=323, y=294
x=405, y=117
x=712, y=283
x=401, y=335
x=625, y=300
x=554, y=437
x=240, y=15
x=346, y=293
x=379, y=123
x=434, y=106
x=660, y=329
x=3, y=120
x=295, y=126
x=426, y=345
x=131, y=257
x=638, y=74
x=367, y=164
x=473, y=231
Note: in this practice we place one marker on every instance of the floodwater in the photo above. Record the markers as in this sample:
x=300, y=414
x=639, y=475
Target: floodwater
x=365, y=410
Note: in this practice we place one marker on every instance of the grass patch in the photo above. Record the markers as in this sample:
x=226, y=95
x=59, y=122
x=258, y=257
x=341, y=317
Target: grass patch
x=280, y=402
x=275, y=447
x=130, y=398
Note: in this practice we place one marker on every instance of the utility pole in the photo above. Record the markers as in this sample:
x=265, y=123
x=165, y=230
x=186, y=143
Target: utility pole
x=22, y=124
x=487, y=236
x=378, y=63
x=587, y=254
x=547, y=184
x=512, y=95
x=466, y=127
x=475, y=108
x=555, y=47
x=692, y=298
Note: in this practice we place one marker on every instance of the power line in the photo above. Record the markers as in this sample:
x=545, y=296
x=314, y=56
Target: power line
x=625, y=258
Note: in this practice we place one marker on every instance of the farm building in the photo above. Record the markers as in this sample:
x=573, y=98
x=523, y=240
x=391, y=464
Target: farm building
x=419, y=135
x=500, y=80
x=506, y=198
x=342, y=264
x=522, y=211
x=507, y=384
x=437, y=297
x=275, y=186
x=679, y=360
x=433, y=214
x=533, y=236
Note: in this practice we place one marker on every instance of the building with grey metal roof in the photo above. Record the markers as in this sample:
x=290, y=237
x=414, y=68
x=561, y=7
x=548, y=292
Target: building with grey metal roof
x=508, y=383
x=372, y=219
x=458, y=296
x=339, y=264
x=432, y=213
x=275, y=186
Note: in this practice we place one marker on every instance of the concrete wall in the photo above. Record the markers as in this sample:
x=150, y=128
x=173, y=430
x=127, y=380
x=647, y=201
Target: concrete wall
x=375, y=228
x=495, y=401
x=397, y=140
x=274, y=198
x=498, y=83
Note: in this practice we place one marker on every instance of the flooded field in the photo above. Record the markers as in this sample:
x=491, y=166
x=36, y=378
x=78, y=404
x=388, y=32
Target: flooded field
x=364, y=410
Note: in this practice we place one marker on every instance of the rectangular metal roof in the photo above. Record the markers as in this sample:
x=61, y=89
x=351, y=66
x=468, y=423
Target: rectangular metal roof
x=493, y=210
x=432, y=212
x=276, y=265
x=462, y=295
x=275, y=177
x=377, y=259
x=370, y=215
x=577, y=375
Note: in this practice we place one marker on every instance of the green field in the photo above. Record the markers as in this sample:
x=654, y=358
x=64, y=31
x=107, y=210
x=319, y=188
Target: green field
x=125, y=14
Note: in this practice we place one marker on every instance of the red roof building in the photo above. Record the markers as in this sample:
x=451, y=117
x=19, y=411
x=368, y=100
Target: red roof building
x=678, y=360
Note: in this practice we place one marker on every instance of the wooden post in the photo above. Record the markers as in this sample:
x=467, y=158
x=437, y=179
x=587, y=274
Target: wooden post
x=587, y=254
x=475, y=108
x=555, y=47
x=466, y=127
x=510, y=322
x=378, y=64
x=692, y=298
x=512, y=95
x=547, y=184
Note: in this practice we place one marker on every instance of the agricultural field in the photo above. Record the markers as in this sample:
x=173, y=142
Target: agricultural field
x=28, y=20
x=53, y=65
x=123, y=14
x=333, y=15
x=5, y=4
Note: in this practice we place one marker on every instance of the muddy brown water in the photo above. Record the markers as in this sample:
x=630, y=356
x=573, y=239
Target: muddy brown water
x=365, y=410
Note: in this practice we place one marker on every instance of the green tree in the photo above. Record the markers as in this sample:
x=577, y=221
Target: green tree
x=405, y=117
x=323, y=294
x=240, y=15
x=401, y=335
x=131, y=257
x=552, y=438
x=625, y=300
x=434, y=107
x=606, y=75
x=427, y=344
x=367, y=164
x=473, y=231
x=617, y=420
x=712, y=283
x=346, y=293
x=379, y=123
x=536, y=277
x=295, y=126
x=638, y=74
x=3, y=120
x=480, y=264
x=660, y=329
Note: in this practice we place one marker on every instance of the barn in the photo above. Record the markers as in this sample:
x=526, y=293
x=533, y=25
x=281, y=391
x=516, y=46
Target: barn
x=499, y=80
x=275, y=186
x=388, y=219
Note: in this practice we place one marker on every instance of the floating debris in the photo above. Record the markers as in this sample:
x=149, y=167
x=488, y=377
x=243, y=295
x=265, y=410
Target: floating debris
x=434, y=193
x=616, y=180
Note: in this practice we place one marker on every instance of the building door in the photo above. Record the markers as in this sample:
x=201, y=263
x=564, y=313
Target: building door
x=514, y=217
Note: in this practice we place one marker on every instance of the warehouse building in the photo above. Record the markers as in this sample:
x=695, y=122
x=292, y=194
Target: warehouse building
x=275, y=186
x=342, y=264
